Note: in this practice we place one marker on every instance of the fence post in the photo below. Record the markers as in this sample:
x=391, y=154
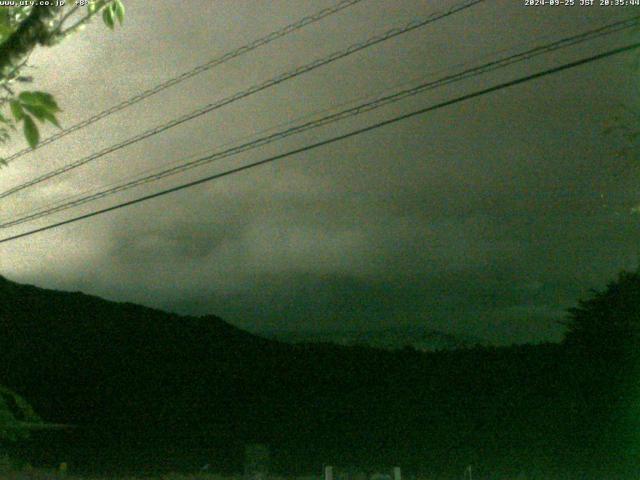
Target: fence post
x=328, y=472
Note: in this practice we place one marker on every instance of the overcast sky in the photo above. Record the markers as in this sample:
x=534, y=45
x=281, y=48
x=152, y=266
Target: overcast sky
x=487, y=218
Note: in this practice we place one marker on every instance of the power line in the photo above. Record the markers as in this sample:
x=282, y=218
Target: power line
x=335, y=139
x=185, y=164
x=192, y=73
x=389, y=34
x=341, y=115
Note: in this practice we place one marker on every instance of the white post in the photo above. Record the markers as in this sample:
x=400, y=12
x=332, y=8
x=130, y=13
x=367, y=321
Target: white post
x=328, y=472
x=397, y=474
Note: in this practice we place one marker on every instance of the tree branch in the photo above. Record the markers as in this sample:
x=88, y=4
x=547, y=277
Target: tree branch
x=84, y=20
x=64, y=19
x=33, y=31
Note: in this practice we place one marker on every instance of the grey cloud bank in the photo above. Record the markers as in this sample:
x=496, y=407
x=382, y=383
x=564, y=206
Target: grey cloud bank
x=487, y=219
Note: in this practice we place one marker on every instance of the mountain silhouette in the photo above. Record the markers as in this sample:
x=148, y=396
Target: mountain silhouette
x=151, y=391
x=418, y=337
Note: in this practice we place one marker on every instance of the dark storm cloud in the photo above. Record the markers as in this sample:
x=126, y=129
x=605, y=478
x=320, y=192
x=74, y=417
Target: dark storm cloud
x=374, y=263
x=488, y=218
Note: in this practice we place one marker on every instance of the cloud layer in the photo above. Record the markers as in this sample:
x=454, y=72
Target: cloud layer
x=488, y=218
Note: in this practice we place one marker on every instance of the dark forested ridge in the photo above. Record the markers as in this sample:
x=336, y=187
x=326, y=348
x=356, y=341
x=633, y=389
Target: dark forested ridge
x=417, y=337
x=151, y=390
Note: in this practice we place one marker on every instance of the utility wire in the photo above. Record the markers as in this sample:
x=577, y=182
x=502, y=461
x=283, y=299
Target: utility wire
x=288, y=123
x=335, y=139
x=192, y=73
x=389, y=34
x=341, y=115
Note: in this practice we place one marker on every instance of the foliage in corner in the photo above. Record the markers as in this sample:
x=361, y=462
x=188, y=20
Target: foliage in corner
x=17, y=417
x=608, y=321
x=22, y=29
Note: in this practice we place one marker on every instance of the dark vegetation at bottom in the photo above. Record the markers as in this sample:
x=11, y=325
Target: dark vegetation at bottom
x=151, y=392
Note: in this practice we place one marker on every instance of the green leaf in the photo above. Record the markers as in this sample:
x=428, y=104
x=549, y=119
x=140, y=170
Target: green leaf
x=51, y=118
x=118, y=8
x=42, y=113
x=16, y=110
x=95, y=5
x=6, y=27
x=30, y=97
x=31, y=132
x=5, y=32
x=107, y=17
x=39, y=98
x=5, y=18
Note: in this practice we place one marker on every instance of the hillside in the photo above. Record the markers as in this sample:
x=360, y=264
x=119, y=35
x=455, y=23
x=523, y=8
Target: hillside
x=417, y=337
x=149, y=390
